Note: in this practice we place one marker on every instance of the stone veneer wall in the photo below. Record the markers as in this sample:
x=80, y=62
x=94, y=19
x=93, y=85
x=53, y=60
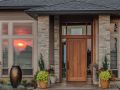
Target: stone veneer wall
x=118, y=49
x=43, y=42
x=57, y=47
x=43, y=38
x=104, y=38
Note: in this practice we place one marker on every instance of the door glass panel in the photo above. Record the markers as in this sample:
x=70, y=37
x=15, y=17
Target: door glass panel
x=64, y=61
x=5, y=56
x=23, y=54
x=88, y=57
x=5, y=28
x=22, y=28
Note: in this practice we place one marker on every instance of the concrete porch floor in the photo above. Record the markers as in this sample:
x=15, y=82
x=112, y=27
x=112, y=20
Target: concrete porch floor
x=80, y=86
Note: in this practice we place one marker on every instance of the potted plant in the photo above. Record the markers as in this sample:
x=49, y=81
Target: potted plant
x=105, y=74
x=52, y=75
x=42, y=75
x=105, y=79
x=42, y=78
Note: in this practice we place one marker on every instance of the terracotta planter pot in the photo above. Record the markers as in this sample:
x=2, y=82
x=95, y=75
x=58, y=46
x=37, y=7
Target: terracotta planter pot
x=15, y=76
x=105, y=84
x=42, y=84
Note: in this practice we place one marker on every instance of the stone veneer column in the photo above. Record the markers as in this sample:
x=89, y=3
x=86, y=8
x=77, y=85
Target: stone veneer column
x=118, y=49
x=57, y=47
x=104, y=39
x=43, y=39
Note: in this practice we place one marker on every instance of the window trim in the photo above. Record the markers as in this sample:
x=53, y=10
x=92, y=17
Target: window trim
x=32, y=36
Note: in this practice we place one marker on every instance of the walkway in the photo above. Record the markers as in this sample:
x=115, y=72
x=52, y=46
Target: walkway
x=81, y=86
x=69, y=86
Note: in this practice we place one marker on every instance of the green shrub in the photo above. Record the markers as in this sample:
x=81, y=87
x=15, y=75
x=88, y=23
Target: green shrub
x=105, y=63
x=42, y=76
x=35, y=76
x=41, y=63
x=105, y=75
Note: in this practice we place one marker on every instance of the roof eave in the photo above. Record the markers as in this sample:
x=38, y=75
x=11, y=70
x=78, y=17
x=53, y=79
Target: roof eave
x=64, y=12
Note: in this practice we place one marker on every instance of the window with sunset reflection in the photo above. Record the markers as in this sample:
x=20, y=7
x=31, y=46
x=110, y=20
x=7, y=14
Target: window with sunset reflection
x=17, y=46
x=5, y=28
x=23, y=53
x=22, y=28
x=5, y=56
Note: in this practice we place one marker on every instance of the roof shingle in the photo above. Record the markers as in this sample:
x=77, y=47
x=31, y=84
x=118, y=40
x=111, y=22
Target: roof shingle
x=61, y=5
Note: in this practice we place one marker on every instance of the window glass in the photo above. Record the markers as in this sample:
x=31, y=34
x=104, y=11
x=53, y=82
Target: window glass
x=23, y=54
x=5, y=28
x=5, y=56
x=113, y=55
x=76, y=30
x=22, y=28
x=88, y=29
x=63, y=30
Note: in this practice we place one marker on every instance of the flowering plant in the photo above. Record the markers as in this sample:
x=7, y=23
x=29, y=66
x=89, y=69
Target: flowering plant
x=42, y=76
x=105, y=75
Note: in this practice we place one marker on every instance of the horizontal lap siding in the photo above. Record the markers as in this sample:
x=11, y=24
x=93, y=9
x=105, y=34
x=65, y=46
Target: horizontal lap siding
x=16, y=15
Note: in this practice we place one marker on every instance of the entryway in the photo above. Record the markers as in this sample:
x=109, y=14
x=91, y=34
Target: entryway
x=74, y=86
x=76, y=51
x=82, y=86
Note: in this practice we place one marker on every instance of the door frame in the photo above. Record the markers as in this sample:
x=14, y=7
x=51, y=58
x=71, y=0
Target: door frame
x=94, y=25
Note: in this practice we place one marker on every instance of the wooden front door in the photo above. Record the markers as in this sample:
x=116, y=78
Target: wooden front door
x=76, y=59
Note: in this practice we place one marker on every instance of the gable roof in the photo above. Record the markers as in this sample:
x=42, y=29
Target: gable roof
x=63, y=6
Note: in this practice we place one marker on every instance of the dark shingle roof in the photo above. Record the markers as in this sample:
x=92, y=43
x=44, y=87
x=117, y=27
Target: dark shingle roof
x=73, y=5
x=25, y=3
x=62, y=5
x=109, y=3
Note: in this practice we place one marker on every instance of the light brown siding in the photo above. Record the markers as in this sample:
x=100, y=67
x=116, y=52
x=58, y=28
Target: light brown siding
x=16, y=15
